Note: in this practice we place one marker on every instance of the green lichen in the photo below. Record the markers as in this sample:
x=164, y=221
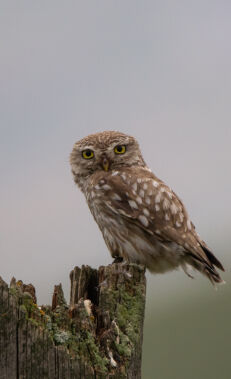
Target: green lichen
x=100, y=363
x=13, y=291
x=74, y=329
x=130, y=314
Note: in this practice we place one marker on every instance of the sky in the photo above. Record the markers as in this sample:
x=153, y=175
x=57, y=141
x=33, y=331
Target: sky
x=158, y=70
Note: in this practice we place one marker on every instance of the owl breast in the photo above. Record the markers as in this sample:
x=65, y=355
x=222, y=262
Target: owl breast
x=125, y=239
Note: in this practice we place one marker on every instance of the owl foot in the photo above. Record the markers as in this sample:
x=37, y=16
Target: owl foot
x=118, y=260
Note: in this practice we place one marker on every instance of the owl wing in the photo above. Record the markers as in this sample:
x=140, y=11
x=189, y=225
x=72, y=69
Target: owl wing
x=141, y=198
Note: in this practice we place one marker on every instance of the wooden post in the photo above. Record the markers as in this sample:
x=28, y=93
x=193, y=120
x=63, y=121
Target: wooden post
x=99, y=335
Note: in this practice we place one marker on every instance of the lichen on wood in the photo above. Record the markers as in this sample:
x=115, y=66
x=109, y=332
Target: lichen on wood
x=99, y=335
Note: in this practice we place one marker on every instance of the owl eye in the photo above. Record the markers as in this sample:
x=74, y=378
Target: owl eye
x=87, y=154
x=120, y=149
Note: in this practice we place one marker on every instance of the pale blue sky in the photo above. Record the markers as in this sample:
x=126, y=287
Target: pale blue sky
x=159, y=70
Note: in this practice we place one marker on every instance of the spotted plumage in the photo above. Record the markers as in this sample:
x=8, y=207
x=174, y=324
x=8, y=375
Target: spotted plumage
x=142, y=220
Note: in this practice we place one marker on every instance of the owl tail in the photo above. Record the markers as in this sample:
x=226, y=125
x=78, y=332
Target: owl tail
x=208, y=266
x=209, y=270
x=213, y=276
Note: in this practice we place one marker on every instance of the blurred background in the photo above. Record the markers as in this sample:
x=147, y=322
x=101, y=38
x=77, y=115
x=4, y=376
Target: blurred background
x=158, y=70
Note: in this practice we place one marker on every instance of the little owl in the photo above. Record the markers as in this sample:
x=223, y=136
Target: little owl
x=142, y=220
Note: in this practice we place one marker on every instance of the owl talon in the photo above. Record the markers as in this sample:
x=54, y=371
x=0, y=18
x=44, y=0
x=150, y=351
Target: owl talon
x=118, y=260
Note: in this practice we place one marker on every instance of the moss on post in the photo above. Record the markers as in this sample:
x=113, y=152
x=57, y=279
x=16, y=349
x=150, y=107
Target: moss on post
x=99, y=335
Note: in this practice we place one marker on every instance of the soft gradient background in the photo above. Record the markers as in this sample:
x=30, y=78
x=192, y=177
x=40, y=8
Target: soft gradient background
x=159, y=70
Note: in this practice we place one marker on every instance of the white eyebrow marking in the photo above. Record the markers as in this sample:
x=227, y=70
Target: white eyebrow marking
x=115, y=173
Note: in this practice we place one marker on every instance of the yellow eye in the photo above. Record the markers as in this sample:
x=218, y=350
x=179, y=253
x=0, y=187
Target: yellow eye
x=87, y=154
x=120, y=149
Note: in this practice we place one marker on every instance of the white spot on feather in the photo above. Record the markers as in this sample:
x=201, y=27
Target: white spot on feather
x=167, y=218
x=141, y=193
x=155, y=183
x=145, y=186
x=106, y=187
x=134, y=186
x=115, y=173
x=181, y=216
x=123, y=175
x=121, y=211
x=139, y=180
x=147, y=200
x=169, y=194
x=166, y=204
x=158, y=197
x=143, y=220
x=174, y=208
x=178, y=224
x=115, y=196
x=146, y=212
x=157, y=207
x=93, y=194
x=139, y=200
x=133, y=204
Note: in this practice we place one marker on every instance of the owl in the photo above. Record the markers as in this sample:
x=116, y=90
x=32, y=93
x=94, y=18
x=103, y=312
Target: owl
x=141, y=219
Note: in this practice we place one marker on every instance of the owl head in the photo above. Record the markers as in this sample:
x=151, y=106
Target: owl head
x=105, y=151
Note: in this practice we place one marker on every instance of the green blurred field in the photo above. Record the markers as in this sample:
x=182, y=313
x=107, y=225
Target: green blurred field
x=187, y=331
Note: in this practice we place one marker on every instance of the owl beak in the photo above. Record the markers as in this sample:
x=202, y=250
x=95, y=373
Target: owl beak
x=105, y=164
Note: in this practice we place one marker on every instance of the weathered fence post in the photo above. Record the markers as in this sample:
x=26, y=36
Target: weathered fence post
x=99, y=335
